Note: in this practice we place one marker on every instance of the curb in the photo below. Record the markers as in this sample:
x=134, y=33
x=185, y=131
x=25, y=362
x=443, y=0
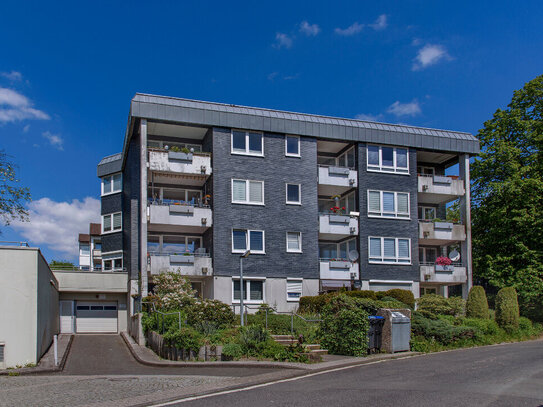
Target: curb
x=36, y=370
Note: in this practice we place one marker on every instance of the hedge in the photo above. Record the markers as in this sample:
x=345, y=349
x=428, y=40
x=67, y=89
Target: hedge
x=507, y=311
x=477, y=304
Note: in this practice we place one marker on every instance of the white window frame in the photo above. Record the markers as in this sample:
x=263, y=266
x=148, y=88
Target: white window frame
x=393, y=215
x=425, y=167
x=423, y=208
x=104, y=232
x=301, y=281
x=81, y=253
x=299, y=242
x=247, y=151
x=287, y=154
x=341, y=157
x=110, y=177
x=248, y=241
x=246, y=292
x=396, y=260
x=425, y=250
x=299, y=194
x=394, y=169
x=347, y=241
x=112, y=259
x=247, y=184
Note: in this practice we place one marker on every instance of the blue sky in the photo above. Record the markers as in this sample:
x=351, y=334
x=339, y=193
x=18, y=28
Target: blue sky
x=68, y=73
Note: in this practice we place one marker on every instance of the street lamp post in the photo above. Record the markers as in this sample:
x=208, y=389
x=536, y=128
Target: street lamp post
x=241, y=285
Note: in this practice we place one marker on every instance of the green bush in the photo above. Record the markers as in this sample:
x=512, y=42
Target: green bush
x=404, y=296
x=280, y=324
x=486, y=326
x=372, y=295
x=251, y=338
x=432, y=305
x=344, y=327
x=314, y=304
x=507, y=312
x=161, y=323
x=477, y=304
x=212, y=311
x=186, y=338
x=232, y=351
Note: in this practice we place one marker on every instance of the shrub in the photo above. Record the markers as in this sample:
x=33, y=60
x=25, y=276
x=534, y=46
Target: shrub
x=524, y=324
x=438, y=330
x=314, y=304
x=344, y=328
x=404, y=296
x=432, y=305
x=372, y=295
x=185, y=338
x=486, y=326
x=507, y=312
x=161, y=323
x=171, y=291
x=212, y=311
x=232, y=351
x=251, y=337
x=477, y=304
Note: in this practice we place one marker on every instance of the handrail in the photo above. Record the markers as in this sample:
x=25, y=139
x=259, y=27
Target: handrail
x=168, y=202
x=163, y=150
x=337, y=166
x=429, y=263
x=440, y=221
x=163, y=314
x=8, y=242
x=80, y=270
x=180, y=254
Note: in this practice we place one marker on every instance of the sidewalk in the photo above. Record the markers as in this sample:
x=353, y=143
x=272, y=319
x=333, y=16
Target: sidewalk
x=147, y=357
x=47, y=362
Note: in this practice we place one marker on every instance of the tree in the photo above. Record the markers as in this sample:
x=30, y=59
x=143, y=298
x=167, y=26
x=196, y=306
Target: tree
x=508, y=200
x=12, y=196
x=507, y=313
x=61, y=264
x=477, y=305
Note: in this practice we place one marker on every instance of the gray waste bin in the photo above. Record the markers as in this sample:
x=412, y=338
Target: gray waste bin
x=401, y=332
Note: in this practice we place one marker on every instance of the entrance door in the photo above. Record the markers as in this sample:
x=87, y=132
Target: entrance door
x=66, y=317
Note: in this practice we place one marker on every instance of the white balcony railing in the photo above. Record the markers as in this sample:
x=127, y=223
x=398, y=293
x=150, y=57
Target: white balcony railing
x=336, y=180
x=192, y=218
x=337, y=226
x=438, y=189
x=338, y=269
x=441, y=233
x=187, y=265
x=180, y=163
x=434, y=273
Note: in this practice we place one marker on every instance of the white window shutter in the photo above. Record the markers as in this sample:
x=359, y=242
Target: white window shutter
x=238, y=191
x=255, y=191
x=374, y=202
x=403, y=203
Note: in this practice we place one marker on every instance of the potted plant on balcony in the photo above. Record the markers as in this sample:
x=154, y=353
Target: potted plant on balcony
x=336, y=210
x=181, y=154
x=444, y=264
x=207, y=197
x=336, y=199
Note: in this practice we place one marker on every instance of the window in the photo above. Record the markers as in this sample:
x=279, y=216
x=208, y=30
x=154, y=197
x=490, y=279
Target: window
x=248, y=143
x=178, y=244
x=389, y=250
x=252, y=240
x=84, y=250
x=427, y=212
x=384, y=204
x=341, y=250
x=426, y=170
x=346, y=159
x=111, y=184
x=111, y=222
x=294, y=194
x=253, y=290
x=294, y=289
x=292, y=146
x=247, y=192
x=387, y=159
x=197, y=148
x=294, y=242
x=112, y=264
x=347, y=201
x=427, y=255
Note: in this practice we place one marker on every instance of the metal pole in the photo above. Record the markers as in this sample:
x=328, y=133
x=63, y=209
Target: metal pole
x=292, y=323
x=241, y=290
x=266, y=318
x=55, y=349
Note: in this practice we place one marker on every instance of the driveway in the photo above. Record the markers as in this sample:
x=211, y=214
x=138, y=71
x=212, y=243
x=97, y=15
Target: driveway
x=109, y=355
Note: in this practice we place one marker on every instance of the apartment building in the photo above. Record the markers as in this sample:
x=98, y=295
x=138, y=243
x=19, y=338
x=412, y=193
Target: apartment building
x=321, y=203
x=90, y=248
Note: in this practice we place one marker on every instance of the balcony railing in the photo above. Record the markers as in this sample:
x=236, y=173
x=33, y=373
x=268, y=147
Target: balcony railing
x=336, y=180
x=336, y=225
x=338, y=269
x=193, y=218
x=189, y=264
x=438, y=189
x=196, y=163
x=455, y=273
x=441, y=233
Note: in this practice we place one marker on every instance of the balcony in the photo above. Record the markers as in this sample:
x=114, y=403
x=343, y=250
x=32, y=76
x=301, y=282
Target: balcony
x=197, y=265
x=338, y=269
x=436, y=274
x=92, y=281
x=96, y=253
x=180, y=218
x=441, y=233
x=439, y=189
x=336, y=180
x=336, y=227
x=193, y=165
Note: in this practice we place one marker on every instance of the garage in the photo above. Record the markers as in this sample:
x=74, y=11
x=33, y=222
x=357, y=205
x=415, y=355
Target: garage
x=96, y=317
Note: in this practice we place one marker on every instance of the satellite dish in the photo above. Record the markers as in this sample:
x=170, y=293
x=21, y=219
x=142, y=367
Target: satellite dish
x=454, y=255
x=353, y=255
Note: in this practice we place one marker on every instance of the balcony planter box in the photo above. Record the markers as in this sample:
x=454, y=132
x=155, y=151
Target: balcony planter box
x=179, y=258
x=184, y=209
x=338, y=171
x=442, y=180
x=440, y=267
x=339, y=219
x=179, y=156
x=443, y=225
x=340, y=264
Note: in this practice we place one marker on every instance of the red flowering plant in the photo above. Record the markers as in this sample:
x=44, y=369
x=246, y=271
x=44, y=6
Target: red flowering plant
x=443, y=261
x=337, y=210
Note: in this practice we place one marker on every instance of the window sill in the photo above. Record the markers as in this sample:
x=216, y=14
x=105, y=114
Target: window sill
x=293, y=155
x=249, y=203
x=243, y=251
x=247, y=154
x=112, y=231
x=112, y=193
x=388, y=217
x=390, y=263
x=248, y=302
x=387, y=172
x=295, y=251
x=294, y=203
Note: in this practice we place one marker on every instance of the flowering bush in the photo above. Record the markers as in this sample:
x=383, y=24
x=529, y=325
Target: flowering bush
x=443, y=261
x=171, y=291
x=212, y=311
x=338, y=210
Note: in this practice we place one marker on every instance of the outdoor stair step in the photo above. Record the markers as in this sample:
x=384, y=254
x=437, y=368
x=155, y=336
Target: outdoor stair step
x=319, y=351
x=286, y=342
x=313, y=346
x=282, y=337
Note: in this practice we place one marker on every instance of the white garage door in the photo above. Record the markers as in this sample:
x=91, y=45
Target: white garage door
x=95, y=317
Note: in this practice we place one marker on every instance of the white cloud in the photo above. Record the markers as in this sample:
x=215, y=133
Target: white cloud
x=54, y=139
x=16, y=107
x=282, y=41
x=405, y=109
x=353, y=29
x=57, y=224
x=429, y=55
x=272, y=76
x=380, y=23
x=13, y=76
x=309, y=29
x=26, y=128
x=369, y=117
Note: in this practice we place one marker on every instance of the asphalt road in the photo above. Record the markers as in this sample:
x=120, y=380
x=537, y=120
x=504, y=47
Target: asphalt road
x=108, y=355
x=502, y=375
